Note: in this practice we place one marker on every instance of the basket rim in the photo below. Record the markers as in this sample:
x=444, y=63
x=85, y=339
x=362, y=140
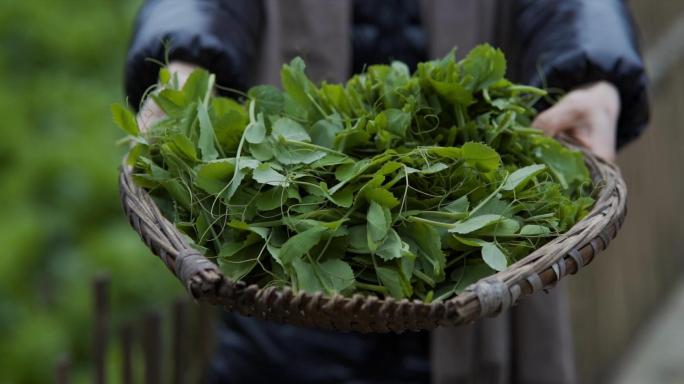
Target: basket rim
x=539, y=270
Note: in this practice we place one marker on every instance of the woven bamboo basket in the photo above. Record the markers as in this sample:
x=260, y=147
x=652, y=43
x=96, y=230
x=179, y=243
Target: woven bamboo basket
x=539, y=270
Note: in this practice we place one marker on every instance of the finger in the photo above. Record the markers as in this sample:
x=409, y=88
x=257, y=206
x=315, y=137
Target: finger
x=578, y=136
x=563, y=116
x=600, y=136
x=595, y=136
x=605, y=152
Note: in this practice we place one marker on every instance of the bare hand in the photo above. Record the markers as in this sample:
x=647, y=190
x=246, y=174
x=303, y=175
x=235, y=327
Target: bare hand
x=589, y=115
x=150, y=112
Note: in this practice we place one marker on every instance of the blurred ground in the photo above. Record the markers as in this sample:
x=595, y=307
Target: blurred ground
x=657, y=352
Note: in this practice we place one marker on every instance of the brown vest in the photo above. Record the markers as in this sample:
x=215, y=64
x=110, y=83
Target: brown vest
x=320, y=32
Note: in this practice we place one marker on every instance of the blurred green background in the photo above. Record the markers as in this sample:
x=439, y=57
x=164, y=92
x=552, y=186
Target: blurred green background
x=61, y=65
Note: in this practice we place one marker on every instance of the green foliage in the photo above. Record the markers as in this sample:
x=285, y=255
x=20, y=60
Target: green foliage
x=60, y=68
x=409, y=185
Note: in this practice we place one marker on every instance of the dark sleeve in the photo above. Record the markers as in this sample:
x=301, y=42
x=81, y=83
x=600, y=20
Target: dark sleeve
x=219, y=35
x=570, y=43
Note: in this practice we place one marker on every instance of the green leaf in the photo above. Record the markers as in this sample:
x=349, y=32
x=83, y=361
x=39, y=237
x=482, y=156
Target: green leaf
x=391, y=279
x=465, y=276
x=256, y=131
x=164, y=75
x=214, y=176
x=288, y=154
x=241, y=225
x=428, y=247
x=459, y=205
x=135, y=153
x=301, y=243
x=336, y=275
x=262, y=151
x=474, y=223
x=358, y=239
x=350, y=139
x=197, y=85
x=300, y=224
x=505, y=227
x=481, y=156
x=295, y=82
x=265, y=174
x=335, y=95
x=206, y=141
x=520, y=177
x=393, y=247
x=125, y=120
x=237, y=259
x=289, y=129
x=382, y=196
x=349, y=171
x=374, y=182
x=379, y=220
x=203, y=228
x=307, y=280
x=269, y=99
x=471, y=242
x=390, y=167
x=331, y=159
x=484, y=66
x=242, y=165
x=566, y=165
x=494, y=257
x=534, y=230
x=495, y=206
x=248, y=163
x=323, y=132
x=234, y=183
x=167, y=101
x=447, y=152
x=174, y=101
x=230, y=120
x=434, y=168
x=454, y=93
x=184, y=146
x=178, y=192
x=342, y=198
x=271, y=199
x=398, y=121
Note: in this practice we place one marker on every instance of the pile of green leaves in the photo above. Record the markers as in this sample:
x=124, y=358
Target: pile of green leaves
x=399, y=184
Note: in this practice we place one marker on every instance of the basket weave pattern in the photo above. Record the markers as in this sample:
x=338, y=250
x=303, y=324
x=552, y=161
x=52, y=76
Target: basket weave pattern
x=541, y=269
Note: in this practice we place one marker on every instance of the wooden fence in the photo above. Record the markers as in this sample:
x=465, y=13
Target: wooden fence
x=179, y=356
